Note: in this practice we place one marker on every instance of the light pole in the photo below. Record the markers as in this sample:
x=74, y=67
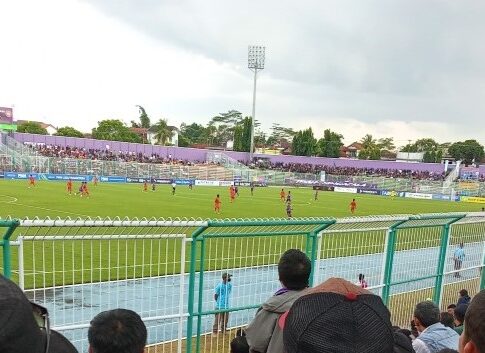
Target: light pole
x=256, y=55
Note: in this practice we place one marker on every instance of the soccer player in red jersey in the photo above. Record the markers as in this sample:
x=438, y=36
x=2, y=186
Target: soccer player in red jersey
x=95, y=180
x=217, y=204
x=232, y=194
x=85, y=189
x=69, y=186
x=283, y=195
x=145, y=186
x=353, y=206
x=31, y=181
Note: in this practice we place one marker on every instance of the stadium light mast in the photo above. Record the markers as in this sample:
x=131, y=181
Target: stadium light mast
x=256, y=56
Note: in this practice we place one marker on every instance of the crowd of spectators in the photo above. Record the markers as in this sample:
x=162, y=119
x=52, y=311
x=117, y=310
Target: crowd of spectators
x=349, y=171
x=105, y=155
x=335, y=316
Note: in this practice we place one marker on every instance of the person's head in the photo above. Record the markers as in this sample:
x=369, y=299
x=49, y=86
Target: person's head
x=473, y=340
x=226, y=277
x=426, y=314
x=24, y=326
x=294, y=269
x=117, y=331
x=463, y=293
x=447, y=319
x=217, y=195
x=353, y=200
x=447, y=350
x=451, y=308
x=330, y=318
x=239, y=345
x=461, y=245
x=483, y=209
x=361, y=276
x=459, y=314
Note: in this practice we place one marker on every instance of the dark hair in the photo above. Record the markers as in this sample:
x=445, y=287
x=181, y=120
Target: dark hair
x=361, y=276
x=475, y=322
x=447, y=319
x=239, y=345
x=117, y=331
x=451, y=306
x=294, y=269
x=427, y=313
x=463, y=293
x=447, y=350
x=460, y=312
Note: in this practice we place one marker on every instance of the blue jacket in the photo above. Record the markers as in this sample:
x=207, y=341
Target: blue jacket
x=437, y=336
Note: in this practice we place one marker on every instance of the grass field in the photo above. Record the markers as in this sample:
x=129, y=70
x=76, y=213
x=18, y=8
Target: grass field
x=50, y=199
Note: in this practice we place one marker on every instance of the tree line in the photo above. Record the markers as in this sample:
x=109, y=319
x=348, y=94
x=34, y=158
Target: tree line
x=232, y=126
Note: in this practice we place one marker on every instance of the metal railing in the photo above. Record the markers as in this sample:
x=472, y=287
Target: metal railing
x=166, y=270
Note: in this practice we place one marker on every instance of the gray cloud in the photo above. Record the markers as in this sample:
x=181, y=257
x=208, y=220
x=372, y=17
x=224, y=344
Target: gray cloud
x=406, y=60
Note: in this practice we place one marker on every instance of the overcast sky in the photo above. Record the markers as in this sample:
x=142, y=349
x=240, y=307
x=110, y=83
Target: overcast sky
x=403, y=68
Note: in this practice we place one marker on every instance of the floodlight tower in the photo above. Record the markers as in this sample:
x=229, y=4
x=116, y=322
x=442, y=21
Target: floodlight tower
x=256, y=55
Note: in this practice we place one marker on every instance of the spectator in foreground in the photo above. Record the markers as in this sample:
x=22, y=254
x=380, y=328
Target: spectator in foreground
x=263, y=334
x=117, y=331
x=447, y=350
x=447, y=319
x=451, y=308
x=473, y=338
x=338, y=316
x=433, y=335
x=362, y=282
x=24, y=326
x=464, y=297
x=459, y=315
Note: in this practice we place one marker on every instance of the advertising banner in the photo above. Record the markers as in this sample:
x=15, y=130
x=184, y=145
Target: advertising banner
x=242, y=183
x=472, y=199
x=323, y=188
x=113, y=179
x=12, y=175
x=368, y=191
x=62, y=177
x=226, y=183
x=206, y=182
x=342, y=189
x=184, y=181
x=415, y=195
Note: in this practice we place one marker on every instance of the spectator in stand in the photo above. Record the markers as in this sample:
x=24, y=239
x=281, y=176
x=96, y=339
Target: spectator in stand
x=459, y=314
x=451, y=308
x=464, y=298
x=263, y=334
x=362, y=282
x=433, y=335
x=338, y=316
x=447, y=319
x=24, y=326
x=458, y=258
x=473, y=338
x=117, y=331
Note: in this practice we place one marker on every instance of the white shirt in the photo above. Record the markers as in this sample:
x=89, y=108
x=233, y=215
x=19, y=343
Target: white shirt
x=174, y=185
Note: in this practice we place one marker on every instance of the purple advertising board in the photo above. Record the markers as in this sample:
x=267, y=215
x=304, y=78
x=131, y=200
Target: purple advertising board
x=6, y=115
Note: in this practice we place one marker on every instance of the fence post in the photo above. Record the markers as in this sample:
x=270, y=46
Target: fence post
x=445, y=239
x=190, y=306
x=7, y=254
x=313, y=240
x=482, y=269
x=201, y=294
x=389, y=261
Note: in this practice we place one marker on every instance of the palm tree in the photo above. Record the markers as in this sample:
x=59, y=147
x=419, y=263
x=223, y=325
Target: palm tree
x=368, y=141
x=164, y=133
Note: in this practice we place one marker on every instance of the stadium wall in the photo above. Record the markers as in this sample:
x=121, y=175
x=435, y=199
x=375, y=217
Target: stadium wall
x=194, y=154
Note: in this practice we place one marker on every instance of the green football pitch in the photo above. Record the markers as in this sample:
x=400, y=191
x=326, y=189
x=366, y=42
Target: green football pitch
x=50, y=199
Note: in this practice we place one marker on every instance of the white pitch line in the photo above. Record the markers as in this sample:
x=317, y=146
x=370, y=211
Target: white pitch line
x=49, y=209
x=13, y=199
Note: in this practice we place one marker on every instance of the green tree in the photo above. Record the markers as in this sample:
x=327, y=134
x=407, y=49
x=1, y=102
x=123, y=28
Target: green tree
x=183, y=141
x=114, y=130
x=468, y=151
x=370, y=148
x=386, y=143
x=163, y=132
x=69, y=132
x=304, y=143
x=194, y=133
x=329, y=145
x=426, y=144
x=31, y=128
x=144, y=119
x=279, y=133
x=246, y=135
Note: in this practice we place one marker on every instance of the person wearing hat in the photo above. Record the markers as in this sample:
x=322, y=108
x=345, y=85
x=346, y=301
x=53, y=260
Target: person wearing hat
x=433, y=335
x=263, y=333
x=24, y=326
x=222, y=293
x=473, y=338
x=340, y=317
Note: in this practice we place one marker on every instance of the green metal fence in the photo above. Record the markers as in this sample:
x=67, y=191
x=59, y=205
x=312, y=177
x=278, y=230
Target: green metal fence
x=166, y=270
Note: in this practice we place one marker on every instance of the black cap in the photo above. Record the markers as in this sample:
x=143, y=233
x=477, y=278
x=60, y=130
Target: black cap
x=19, y=333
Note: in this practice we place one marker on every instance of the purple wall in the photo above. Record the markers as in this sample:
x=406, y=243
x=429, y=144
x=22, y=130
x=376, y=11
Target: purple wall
x=482, y=170
x=194, y=154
